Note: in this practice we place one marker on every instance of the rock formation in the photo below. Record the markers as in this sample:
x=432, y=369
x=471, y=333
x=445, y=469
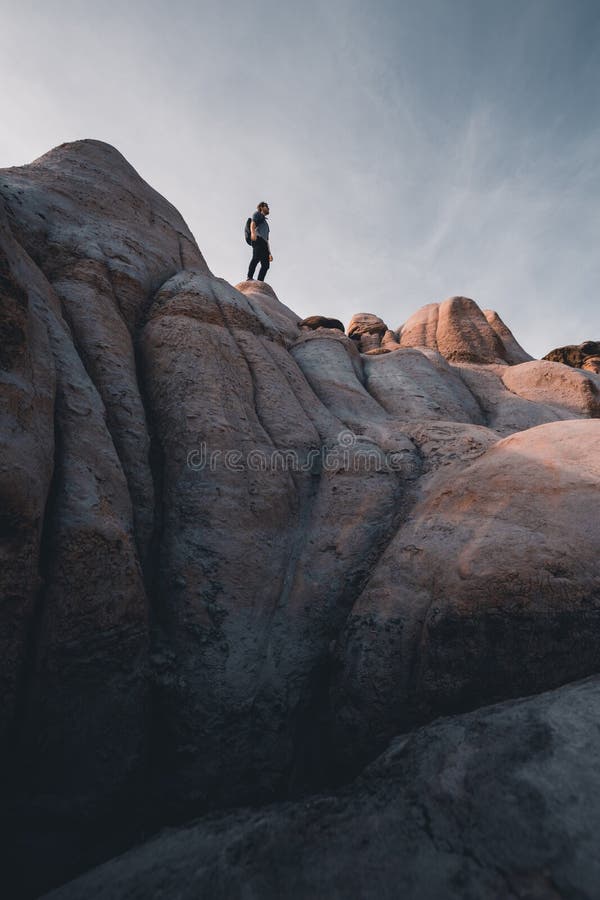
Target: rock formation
x=242, y=552
x=314, y=322
x=486, y=805
x=579, y=356
x=369, y=332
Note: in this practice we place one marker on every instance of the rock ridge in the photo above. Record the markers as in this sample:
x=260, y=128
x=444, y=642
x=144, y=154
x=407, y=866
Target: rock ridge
x=242, y=551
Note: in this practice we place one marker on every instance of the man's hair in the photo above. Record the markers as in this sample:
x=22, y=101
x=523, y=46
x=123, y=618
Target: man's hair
x=262, y=204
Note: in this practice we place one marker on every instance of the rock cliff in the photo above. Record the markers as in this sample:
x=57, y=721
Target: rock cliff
x=241, y=552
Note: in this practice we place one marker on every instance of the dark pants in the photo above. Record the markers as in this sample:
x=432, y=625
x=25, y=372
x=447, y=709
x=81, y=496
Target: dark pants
x=260, y=254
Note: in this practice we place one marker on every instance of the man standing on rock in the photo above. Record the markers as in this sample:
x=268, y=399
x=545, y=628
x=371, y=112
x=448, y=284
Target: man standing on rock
x=259, y=235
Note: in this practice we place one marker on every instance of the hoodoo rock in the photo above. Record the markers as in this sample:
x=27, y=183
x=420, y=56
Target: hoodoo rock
x=372, y=334
x=462, y=332
x=242, y=552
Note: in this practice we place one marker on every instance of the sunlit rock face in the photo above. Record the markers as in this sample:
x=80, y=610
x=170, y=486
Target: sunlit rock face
x=462, y=332
x=240, y=550
x=314, y=322
x=592, y=364
x=368, y=331
x=493, y=564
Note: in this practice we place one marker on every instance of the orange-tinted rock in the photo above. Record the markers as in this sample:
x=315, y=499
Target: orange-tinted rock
x=513, y=352
x=366, y=323
x=591, y=364
x=461, y=332
x=561, y=386
x=369, y=331
x=490, y=588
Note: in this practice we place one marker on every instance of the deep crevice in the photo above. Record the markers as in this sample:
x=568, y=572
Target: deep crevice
x=17, y=751
x=314, y=738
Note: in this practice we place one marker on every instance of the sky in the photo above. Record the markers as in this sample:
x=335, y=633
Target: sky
x=409, y=151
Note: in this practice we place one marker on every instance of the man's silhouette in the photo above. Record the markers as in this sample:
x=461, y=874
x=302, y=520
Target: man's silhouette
x=259, y=235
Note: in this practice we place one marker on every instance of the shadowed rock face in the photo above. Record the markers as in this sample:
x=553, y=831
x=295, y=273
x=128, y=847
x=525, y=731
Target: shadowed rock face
x=314, y=322
x=241, y=552
x=487, y=805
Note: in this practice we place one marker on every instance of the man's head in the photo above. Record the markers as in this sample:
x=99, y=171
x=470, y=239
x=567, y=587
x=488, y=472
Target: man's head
x=263, y=208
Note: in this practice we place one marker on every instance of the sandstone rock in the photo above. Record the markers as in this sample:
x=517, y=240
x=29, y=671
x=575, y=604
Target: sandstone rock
x=591, y=364
x=366, y=323
x=421, y=328
x=334, y=369
x=495, y=564
x=390, y=340
x=76, y=664
x=462, y=333
x=84, y=201
x=502, y=802
x=552, y=383
x=574, y=354
x=243, y=643
x=441, y=444
x=420, y=384
x=90, y=242
x=321, y=322
x=238, y=552
x=280, y=320
x=27, y=386
x=105, y=241
x=513, y=352
x=368, y=330
x=370, y=343
x=501, y=409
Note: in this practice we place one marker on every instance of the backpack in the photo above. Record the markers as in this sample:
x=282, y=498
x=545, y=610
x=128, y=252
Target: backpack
x=247, y=232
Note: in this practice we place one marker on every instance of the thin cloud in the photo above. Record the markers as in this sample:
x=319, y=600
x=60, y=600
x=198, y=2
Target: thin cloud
x=408, y=151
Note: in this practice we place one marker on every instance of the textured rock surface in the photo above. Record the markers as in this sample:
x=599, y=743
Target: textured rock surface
x=371, y=334
x=575, y=354
x=486, y=571
x=315, y=322
x=28, y=388
x=502, y=802
x=462, y=333
x=564, y=388
x=240, y=552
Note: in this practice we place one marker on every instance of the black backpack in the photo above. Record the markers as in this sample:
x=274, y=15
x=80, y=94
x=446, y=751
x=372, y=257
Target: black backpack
x=247, y=232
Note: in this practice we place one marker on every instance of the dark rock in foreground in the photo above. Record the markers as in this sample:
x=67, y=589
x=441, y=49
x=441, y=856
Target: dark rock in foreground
x=500, y=803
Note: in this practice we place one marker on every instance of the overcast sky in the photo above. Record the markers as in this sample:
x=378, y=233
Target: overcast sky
x=409, y=150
